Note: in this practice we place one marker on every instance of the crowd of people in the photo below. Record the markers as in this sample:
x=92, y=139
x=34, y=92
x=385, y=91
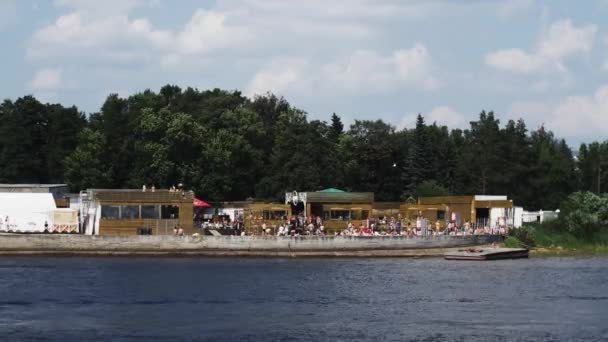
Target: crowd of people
x=299, y=225
x=418, y=227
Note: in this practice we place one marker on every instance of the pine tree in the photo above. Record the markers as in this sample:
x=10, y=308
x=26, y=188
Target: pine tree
x=337, y=127
x=418, y=163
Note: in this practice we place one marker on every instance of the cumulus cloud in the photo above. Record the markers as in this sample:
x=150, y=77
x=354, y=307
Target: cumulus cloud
x=363, y=71
x=442, y=115
x=561, y=41
x=119, y=38
x=46, y=79
x=581, y=115
x=277, y=77
x=572, y=117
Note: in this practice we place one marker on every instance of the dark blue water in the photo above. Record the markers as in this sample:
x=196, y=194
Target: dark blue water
x=544, y=299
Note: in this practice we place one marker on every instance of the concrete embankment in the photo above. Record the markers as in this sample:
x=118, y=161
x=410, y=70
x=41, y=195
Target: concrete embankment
x=236, y=245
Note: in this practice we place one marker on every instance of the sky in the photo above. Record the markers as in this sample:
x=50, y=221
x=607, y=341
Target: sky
x=543, y=61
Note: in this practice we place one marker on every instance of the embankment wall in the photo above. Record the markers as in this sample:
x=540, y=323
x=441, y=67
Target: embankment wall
x=235, y=245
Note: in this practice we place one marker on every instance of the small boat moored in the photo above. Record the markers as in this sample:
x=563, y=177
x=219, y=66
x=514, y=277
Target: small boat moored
x=487, y=254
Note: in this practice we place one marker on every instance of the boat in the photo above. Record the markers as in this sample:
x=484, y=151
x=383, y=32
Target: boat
x=487, y=254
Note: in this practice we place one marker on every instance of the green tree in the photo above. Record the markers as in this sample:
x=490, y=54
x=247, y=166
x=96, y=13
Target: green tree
x=337, y=127
x=585, y=214
x=85, y=167
x=430, y=188
x=484, y=157
x=418, y=163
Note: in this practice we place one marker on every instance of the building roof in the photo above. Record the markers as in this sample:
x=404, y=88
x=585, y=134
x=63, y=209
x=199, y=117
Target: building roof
x=339, y=197
x=139, y=196
x=331, y=190
x=25, y=185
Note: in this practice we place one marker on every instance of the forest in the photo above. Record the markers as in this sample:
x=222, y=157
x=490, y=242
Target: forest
x=225, y=146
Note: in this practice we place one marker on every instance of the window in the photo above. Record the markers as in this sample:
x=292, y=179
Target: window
x=129, y=212
x=169, y=212
x=343, y=215
x=274, y=214
x=440, y=215
x=149, y=212
x=110, y=212
x=359, y=214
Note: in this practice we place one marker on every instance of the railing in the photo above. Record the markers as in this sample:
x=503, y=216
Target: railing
x=139, y=196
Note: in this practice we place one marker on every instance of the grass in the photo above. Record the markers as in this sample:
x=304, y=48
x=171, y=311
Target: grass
x=549, y=239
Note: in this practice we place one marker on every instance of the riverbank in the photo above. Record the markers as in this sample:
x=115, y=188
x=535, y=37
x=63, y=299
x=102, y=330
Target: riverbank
x=220, y=246
x=549, y=240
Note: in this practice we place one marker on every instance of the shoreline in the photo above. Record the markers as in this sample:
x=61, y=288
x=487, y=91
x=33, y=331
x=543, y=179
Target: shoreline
x=563, y=252
x=70, y=245
x=237, y=246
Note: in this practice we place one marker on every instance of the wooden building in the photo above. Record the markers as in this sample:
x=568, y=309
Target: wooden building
x=253, y=215
x=335, y=207
x=131, y=212
x=478, y=210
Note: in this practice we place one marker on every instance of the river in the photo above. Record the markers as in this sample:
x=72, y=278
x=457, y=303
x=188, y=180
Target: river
x=152, y=299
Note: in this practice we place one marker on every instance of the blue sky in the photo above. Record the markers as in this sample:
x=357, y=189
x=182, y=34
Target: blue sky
x=544, y=61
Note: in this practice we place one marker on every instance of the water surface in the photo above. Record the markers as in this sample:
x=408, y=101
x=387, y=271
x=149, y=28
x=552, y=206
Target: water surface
x=541, y=299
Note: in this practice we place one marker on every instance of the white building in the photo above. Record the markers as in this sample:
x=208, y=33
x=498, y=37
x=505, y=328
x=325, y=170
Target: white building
x=539, y=216
x=34, y=212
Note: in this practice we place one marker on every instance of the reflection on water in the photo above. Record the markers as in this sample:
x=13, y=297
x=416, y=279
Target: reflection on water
x=303, y=299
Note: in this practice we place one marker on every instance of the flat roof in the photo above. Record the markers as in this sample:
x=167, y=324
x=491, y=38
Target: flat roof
x=32, y=185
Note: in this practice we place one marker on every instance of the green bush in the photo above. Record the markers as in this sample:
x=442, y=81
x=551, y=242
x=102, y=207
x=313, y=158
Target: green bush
x=512, y=242
x=585, y=214
x=524, y=236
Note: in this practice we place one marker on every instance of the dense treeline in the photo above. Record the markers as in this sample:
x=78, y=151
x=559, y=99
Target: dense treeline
x=228, y=147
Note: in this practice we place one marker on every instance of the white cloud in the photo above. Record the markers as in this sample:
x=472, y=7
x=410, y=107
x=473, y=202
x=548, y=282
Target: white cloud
x=581, y=115
x=561, y=41
x=515, y=60
x=116, y=38
x=442, y=115
x=277, y=77
x=46, y=79
x=366, y=70
x=207, y=30
x=413, y=65
x=363, y=71
x=572, y=117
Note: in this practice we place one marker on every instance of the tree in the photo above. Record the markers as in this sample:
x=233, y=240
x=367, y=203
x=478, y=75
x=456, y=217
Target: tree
x=552, y=175
x=585, y=214
x=293, y=164
x=485, y=158
x=376, y=153
x=85, y=167
x=337, y=127
x=418, y=163
x=430, y=188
